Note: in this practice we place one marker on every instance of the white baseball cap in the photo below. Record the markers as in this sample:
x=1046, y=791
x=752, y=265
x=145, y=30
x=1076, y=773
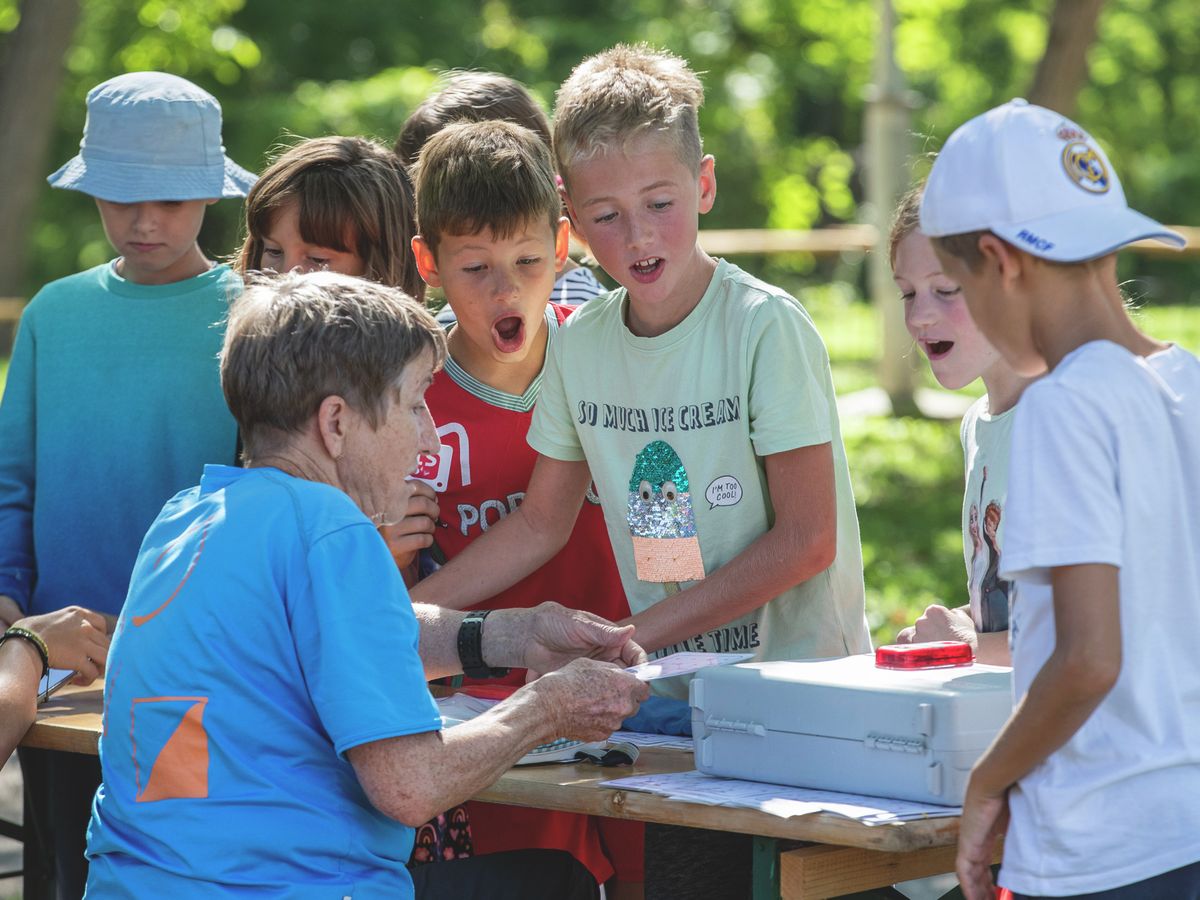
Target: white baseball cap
x=1037, y=180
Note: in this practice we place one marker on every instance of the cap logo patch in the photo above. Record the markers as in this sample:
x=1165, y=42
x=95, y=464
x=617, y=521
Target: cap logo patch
x=1085, y=167
x=1068, y=133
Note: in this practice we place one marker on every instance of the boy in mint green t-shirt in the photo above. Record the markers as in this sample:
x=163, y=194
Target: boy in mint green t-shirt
x=699, y=398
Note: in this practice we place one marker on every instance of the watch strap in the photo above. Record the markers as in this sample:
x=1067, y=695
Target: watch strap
x=470, y=647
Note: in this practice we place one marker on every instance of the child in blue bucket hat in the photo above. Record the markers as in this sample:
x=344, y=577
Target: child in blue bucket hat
x=113, y=400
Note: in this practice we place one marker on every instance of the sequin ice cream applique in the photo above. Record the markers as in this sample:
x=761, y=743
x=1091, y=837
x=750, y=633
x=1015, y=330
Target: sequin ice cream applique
x=661, y=520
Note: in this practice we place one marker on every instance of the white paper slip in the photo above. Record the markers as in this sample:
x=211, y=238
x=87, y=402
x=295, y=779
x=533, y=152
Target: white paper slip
x=779, y=800
x=664, y=741
x=459, y=708
x=52, y=681
x=685, y=664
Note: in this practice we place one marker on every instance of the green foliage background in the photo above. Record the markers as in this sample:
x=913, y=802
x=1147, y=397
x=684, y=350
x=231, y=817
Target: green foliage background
x=786, y=82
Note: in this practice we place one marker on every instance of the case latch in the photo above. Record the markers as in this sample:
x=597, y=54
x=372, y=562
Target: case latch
x=895, y=744
x=736, y=727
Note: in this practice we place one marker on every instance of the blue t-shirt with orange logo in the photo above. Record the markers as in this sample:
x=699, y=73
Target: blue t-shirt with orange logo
x=267, y=631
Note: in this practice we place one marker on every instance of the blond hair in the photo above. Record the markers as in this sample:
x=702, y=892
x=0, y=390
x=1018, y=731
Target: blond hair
x=477, y=176
x=905, y=221
x=351, y=195
x=470, y=97
x=293, y=340
x=622, y=93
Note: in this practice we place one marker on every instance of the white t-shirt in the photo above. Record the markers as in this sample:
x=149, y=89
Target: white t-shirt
x=986, y=439
x=1106, y=469
x=675, y=428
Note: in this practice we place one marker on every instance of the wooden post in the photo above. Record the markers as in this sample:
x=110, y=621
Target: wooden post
x=888, y=138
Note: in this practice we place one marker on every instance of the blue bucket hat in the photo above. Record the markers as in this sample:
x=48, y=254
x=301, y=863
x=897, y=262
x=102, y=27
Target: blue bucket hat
x=152, y=136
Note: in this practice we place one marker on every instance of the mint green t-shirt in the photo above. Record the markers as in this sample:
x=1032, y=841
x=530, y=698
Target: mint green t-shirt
x=675, y=428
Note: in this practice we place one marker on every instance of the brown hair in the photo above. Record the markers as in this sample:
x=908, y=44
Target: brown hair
x=295, y=339
x=964, y=247
x=352, y=194
x=473, y=176
x=470, y=97
x=624, y=92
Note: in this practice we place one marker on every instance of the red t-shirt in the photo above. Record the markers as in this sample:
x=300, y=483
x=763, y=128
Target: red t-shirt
x=480, y=476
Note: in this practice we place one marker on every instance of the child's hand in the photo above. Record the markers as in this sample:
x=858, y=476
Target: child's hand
x=76, y=638
x=413, y=533
x=938, y=623
x=984, y=820
x=9, y=611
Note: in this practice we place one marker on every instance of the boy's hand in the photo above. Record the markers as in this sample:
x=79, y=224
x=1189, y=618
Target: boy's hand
x=77, y=639
x=413, y=533
x=984, y=820
x=9, y=611
x=588, y=700
x=938, y=623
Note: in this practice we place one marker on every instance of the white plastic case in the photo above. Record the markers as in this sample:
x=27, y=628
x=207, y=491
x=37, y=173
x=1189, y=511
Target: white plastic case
x=845, y=725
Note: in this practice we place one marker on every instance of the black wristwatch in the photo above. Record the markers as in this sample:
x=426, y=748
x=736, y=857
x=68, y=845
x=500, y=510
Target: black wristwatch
x=470, y=647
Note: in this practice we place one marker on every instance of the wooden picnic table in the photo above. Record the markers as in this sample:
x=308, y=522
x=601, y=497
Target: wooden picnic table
x=801, y=858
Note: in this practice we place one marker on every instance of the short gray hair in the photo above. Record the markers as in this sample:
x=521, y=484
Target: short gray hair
x=292, y=341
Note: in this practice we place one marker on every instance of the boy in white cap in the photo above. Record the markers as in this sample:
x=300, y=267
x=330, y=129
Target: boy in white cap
x=113, y=399
x=1098, y=770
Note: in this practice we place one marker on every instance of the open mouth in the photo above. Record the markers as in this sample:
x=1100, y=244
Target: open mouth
x=646, y=270
x=938, y=349
x=508, y=333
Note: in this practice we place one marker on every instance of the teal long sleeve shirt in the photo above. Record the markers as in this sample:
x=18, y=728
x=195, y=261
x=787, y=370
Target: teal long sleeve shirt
x=113, y=404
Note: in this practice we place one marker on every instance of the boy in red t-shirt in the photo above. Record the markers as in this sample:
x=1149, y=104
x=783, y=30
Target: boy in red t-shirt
x=492, y=237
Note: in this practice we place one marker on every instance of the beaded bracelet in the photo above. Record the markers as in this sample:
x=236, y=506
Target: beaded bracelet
x=25, y=634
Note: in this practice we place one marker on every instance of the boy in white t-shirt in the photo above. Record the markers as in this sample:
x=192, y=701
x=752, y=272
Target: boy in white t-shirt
x=1099, y=766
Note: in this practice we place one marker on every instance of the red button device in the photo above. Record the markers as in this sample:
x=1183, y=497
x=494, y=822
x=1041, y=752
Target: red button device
x=931, y=655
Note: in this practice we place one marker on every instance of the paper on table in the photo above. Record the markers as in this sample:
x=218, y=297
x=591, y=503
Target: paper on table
x=459, y=708
x=665, y=741
x=779, y=800
x=52, y=681
x=685, y=664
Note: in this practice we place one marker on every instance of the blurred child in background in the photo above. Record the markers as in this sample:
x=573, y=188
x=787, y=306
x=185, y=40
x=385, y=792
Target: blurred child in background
x=936, y=316
x=483, y=97
x=344, y=204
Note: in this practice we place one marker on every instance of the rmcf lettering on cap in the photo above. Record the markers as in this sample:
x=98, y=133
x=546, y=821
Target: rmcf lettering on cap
x=1038, y=243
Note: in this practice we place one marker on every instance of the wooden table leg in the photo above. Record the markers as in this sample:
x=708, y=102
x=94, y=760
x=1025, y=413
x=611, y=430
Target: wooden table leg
x=820, y=871
x=764, y=872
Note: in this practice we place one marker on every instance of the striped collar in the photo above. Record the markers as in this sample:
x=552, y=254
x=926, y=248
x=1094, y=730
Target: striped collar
x=521, y=403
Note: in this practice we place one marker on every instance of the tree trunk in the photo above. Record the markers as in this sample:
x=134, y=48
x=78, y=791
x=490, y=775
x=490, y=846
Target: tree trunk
x=887, y=143
x=31, y=72
x=1063, y=71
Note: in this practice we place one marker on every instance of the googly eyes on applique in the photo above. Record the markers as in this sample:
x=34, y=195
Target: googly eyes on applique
x=645, y=490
